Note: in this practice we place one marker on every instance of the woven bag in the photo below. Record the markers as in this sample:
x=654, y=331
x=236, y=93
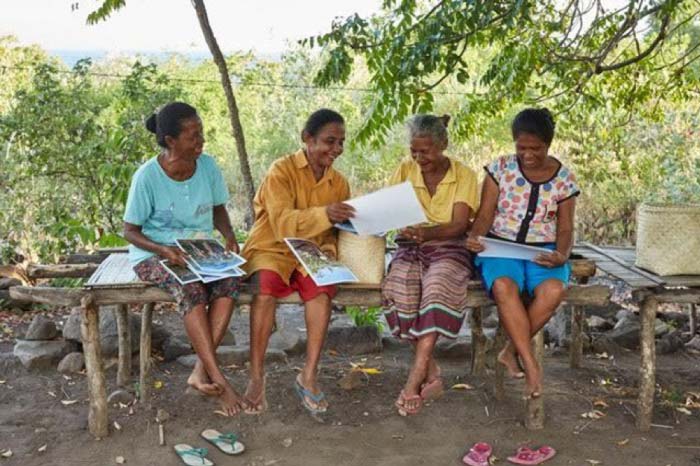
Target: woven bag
x=364, y=255
x=668, y=239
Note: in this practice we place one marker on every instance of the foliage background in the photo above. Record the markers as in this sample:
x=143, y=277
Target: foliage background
x=71, y=139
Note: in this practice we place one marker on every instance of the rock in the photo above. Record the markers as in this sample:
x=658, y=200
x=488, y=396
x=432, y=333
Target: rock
x=72, y=363
x=292, y=343
x=109, y=339
x=452, y=349
x=694, y=343
x=9, y=364
x=626, y=332
x=558, y=329
x=235, y=355
x=626, y=314
x=608, y=311
x=40, y=354
x=120, y=396
x=41, y=328
x=490, y=320
x=391, y=342
x=274, y=355
x=159, y=335
x=598, y=324
x=354, y=340
x=6, y=283
x=604, y=344
x=229, y=339
x=174, y=347
x=679, y=319
x=661, y=328
x=71, y=328
x=351, y=380
x=669, y=343
x=188, y=361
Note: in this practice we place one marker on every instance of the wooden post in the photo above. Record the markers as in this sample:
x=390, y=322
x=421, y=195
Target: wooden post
x=478, y=363
x=499, y=390
x=97, y=391
x=577, y=332
x=124, y=335
x=647, y=379
x=693, y=324
x=145, y=353
x=534, y=418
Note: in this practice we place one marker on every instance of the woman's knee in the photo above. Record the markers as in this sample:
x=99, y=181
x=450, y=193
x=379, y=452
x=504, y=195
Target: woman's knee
x=264, y=301
x=552, y=290
x=504, y=287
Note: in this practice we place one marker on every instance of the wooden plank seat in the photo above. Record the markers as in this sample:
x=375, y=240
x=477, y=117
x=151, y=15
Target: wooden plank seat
x=134, y=292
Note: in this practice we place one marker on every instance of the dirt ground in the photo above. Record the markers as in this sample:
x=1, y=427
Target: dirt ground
x=362, y=427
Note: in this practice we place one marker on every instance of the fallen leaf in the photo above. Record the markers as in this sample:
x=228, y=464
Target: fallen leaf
x=6, y=453
x=220, y=413
x=600, y=404
x=158, y=384
x=331, y=352
x=42, y=448
x=122, y=405
x=593, y=462
x=684, y=411
x=594, y=414
x=67, y=377
x=461, y=386
x=117, y=425
x=286, y=443
x=624, y=442
x=53, y=394
x=356, y=365
x=68, y=402
x=3, y=382
x=397, y=437
x=369, y=370
x=120, y=460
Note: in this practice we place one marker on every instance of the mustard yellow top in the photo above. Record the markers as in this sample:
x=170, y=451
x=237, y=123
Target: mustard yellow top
x=290, y=203
x=459, y=185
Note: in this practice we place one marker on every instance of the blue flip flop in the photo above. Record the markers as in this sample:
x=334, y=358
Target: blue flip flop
x=303, y=393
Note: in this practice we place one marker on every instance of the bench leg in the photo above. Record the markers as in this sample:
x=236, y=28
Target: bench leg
x=90, y=332
x=693, y=319
x=534, y=417
x=124, y=338
x=647, y=372
x=478, y=362
x=145, y=353
x=576, y=349
x=499, y=391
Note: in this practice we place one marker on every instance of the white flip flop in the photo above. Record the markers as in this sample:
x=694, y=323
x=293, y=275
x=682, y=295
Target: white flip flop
x=192, y=456
x=228, y=443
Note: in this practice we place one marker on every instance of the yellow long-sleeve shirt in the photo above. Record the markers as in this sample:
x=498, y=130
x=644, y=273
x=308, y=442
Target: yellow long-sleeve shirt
x=291, y=203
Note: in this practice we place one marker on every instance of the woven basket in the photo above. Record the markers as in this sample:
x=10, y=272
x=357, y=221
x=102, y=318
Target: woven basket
x=364, y=255
x=668, y=239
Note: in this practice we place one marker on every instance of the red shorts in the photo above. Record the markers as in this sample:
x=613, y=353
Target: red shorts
x=270, y=283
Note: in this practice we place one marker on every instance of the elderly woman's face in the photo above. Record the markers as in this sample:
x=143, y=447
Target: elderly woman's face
x=426, y=153
x=190, y=141
x=327, y=145
x=531, y=150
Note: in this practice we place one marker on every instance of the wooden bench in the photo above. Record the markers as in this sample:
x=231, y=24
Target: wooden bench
x=123, y=294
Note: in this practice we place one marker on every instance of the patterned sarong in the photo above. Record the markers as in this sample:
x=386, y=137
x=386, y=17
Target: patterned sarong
x=425, y=290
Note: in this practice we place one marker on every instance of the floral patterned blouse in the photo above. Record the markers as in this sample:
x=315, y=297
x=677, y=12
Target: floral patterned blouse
x=527, y=211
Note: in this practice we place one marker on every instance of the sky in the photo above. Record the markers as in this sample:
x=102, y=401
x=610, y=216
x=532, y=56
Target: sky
x=262, y=26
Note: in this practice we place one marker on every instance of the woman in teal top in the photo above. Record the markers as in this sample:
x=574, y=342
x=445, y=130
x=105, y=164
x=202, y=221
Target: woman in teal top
x=179, y=194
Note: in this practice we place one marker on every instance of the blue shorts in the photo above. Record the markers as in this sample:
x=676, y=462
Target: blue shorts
x=526, y=274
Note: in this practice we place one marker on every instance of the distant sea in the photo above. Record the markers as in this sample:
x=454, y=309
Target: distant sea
x=71, y=57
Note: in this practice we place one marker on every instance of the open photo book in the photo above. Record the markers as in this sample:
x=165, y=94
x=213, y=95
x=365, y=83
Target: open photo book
x=510, y=250
x=207, y=261
x=322, y=269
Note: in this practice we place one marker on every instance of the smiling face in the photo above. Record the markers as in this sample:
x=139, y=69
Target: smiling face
x=531, y=150
x=326, y=146
x=427, y=153
x=190, y=142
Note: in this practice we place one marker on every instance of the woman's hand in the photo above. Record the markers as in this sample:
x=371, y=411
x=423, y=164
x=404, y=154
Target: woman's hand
x=174, y=255
x=340, y=212
x=232, y=245
x=474, y=245
x=415, y=234
x=550, y=260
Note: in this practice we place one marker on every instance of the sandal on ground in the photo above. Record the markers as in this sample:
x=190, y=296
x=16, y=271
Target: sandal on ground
x=432, y=390
x=478, y=455
x=192, y=456
x=305, y=393
x=528, y=457
x=228, y=443
x=254, y=408
x=400, y=404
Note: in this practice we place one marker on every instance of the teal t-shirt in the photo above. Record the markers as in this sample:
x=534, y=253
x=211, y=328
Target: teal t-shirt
x=167, y=209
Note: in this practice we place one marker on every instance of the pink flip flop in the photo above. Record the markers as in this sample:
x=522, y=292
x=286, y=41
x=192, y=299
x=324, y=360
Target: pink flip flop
x=528, y=457
x=478, y=455
x=432, y=390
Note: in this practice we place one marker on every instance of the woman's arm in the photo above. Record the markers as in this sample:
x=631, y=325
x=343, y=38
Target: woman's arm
x=565, y=236
x=134, y=235
x=222, y=222
x=457, y=228
x=485, y=215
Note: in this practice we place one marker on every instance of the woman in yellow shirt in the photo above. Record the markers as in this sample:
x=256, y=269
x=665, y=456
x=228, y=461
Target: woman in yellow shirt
x=424, y=294
x=301, y=197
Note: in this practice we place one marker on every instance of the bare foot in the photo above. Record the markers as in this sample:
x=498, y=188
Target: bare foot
x=255, y=396
x=409, y=402
x=231, y=402
x=199, y=380
x=508, y=359
x=320, y=405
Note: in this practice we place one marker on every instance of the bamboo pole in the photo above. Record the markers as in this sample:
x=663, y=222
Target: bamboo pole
x=647, y=370
x=124, y=339
x=90, y=331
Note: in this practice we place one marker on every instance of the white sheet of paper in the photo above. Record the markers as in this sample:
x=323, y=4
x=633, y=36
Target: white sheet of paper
x=387, y=209
x=506, y=249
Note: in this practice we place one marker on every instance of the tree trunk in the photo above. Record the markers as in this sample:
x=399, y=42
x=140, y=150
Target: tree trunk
x=236, y=127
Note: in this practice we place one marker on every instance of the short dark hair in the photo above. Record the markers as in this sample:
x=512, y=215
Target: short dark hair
x=319, y=119
x=168, y=120
x=537, y=121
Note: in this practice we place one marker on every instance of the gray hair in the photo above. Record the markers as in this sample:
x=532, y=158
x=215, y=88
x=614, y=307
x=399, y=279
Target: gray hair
x=424, y=125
